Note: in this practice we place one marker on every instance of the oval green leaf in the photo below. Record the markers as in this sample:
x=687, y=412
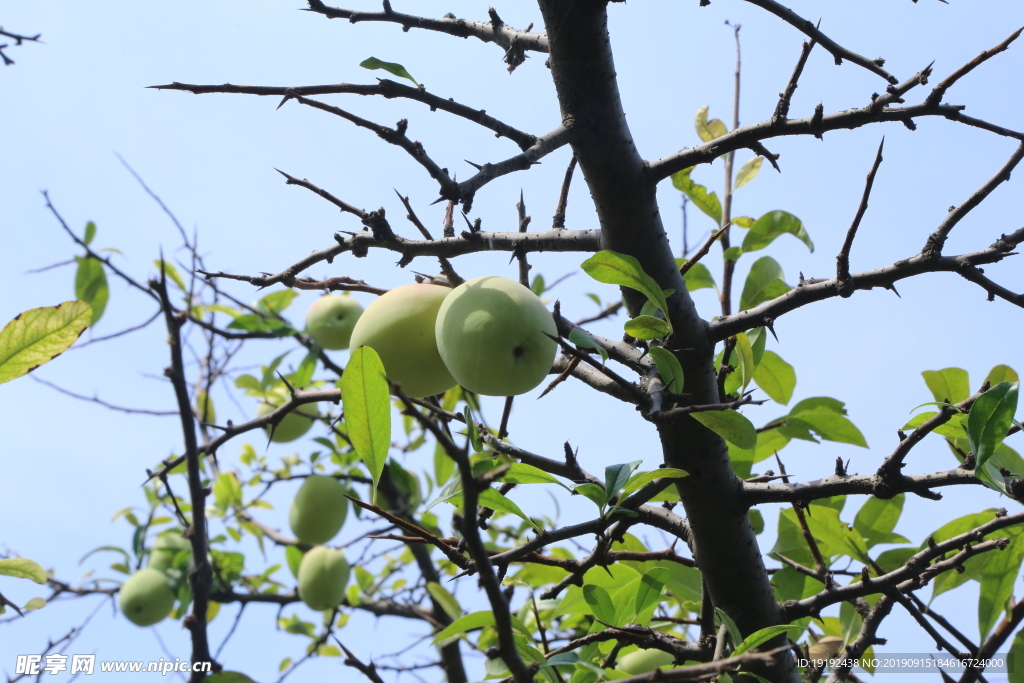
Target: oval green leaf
x=669, y=368
x=647, y=327
x=990, y=417
x=39, y=335
x=367, y=406
x=23, y=569
x=730, y=425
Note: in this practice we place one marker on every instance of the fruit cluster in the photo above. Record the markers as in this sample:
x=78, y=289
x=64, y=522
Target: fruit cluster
x=489, y=334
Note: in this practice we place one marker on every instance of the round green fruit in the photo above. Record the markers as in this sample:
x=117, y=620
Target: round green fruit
x=492, y=335
x=293, y=425
x=165, y=548
x=330, y=320
x=644, y=661
x=399, y=326
x=318, y=509
x=323, y=575
x=146, y=597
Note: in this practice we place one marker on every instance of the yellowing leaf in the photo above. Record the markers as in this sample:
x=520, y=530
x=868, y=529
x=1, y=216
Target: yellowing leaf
x=39, y=335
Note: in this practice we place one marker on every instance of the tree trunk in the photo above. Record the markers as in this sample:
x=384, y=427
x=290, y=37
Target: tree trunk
x=624, y=194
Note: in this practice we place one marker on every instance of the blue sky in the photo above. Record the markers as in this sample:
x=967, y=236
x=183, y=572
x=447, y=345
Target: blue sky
x=74, y=102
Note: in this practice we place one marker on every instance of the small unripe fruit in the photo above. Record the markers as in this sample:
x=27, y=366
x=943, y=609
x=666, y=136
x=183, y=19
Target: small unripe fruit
x=165, y=548
x=323, y=575
x=399, y=326
x=644, y=661
x=330, y=320
x=318, y=509
x=293, y=425
x=146, y=597
x=492, y=334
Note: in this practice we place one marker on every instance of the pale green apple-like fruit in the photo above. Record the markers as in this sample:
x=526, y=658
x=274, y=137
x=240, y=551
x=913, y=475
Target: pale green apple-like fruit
x=330, y=320
x=146, y=597
x=399, y=326
x=294, y=424
x=165, y=548
x=318, y=510
x=644, y=661
x=491, y=335
x=323, y=575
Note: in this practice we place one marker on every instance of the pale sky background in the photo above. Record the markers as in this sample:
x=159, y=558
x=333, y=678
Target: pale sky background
x=74, y=102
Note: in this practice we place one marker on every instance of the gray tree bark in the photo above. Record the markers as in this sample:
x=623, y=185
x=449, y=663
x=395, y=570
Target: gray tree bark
x=624, y=194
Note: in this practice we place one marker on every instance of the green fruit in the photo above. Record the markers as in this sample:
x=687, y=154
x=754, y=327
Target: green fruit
x=293, y=425
x=165, y=548
x=318, y=509
x=491, y=335
x=146, y=597
x=644, y=661
x=323, y=575
x=399, y=326
x=329, y=321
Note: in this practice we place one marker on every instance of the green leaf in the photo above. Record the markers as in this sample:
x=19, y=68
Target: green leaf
x=708, y=130
x=764, y=283
x=582, y=339
x=776, y=377
x=537, y=286
x=1017, y=655
x=39, y=335
x=616, y=476
x=90, y=233
x=171, y=272
x=471, y=431
x=521, y=473
x=647, y=327
x=698, y=194
x=593, y=492
x=950, y=383
x=367, y=405
x=34, y=604
x=649, y=591
x=600, y=602
x=91, y=286
x=227, y=491
x=463, y=624
x=877, y=518
x=22, y=568
x=997, y=580
x=613, y=268
x=669, y=368
x=1001, y=373
x=275, y=302
x=445, y=599
x=730, y=425
x=834, y=536
x=699, y=277
x=764, y=635
x=641, y=479
x=756, y=520
x=826, y=417
x=734, y=632
x=732, y=253
x=772, y=224
x=497, y=501
x=747, y=172
x=390, y=67
x=745, y=356
x=990, y=417
x=758, y=340
x=293, y=556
